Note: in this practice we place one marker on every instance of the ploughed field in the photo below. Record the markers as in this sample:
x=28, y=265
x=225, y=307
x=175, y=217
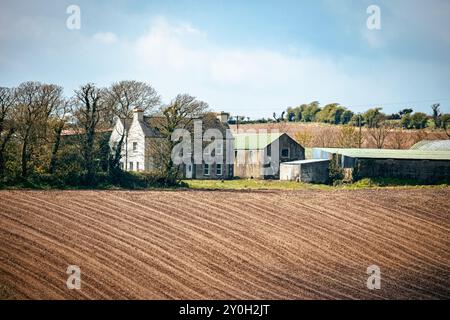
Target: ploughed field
x=225, y=244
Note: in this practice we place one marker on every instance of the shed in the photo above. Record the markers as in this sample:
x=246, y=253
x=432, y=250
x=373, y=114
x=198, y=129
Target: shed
x=310, y=171
x=423, y=165
x=258, y=155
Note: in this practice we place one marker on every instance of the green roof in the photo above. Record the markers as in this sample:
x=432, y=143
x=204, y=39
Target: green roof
x=254, y=141
x=387, y=153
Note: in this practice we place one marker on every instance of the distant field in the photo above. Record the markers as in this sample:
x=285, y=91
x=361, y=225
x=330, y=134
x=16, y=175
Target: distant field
x=273, y=244
x=325, y=135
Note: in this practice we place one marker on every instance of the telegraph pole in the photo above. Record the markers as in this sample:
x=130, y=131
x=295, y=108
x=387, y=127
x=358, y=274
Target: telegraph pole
x=360, y=133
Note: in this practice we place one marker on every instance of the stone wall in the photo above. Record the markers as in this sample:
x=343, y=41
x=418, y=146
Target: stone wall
x=422, y=170
x=315, y=172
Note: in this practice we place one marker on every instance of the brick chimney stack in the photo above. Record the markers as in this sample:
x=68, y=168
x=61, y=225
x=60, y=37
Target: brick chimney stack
x=138, y=114
x=223, y=116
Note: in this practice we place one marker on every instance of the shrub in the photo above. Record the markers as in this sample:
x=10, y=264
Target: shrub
x=336, y=173
x=419, y=120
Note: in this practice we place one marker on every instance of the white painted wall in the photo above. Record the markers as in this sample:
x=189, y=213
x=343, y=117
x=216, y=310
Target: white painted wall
x=135, y=134
x=115, y=137
x=116, y=134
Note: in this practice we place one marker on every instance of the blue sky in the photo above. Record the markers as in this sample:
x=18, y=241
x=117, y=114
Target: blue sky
x=250, y=58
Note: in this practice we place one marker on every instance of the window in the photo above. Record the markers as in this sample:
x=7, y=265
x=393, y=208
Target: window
x=131, y=166
x=121, y=165
x=219, y=149
x=206, y=169
x=134, y=146
x=285, y=153
x=137, y=166
x=218, y=169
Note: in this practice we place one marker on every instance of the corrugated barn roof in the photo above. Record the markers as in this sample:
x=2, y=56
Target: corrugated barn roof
x=388, y=153
x=433, y=145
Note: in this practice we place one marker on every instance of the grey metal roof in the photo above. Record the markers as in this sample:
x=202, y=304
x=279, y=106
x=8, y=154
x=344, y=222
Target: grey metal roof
x=432, y=145
x=297, y=162
x=150, y=124
x=388, y=153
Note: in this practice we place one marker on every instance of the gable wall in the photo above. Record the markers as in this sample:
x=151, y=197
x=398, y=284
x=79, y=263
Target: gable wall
x=116, y=134
x=250, y=163
x=135, y=134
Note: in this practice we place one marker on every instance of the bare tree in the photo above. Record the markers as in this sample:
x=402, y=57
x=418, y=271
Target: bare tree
x=348, y=137
x=35, y=103
x=7, y=105
x=89, y=107
x=57, y=122
x=53, y=104
x=304, y=138
x=179, y=114
x=324, y=137
x=399, y=139
x=379, y=133
x=122, y=97
x=28, y=112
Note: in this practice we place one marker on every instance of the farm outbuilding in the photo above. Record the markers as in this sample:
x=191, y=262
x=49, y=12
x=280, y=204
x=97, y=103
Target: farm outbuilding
x=310, y=171
x=258, y=155
x=422, y=165
x=432, y=145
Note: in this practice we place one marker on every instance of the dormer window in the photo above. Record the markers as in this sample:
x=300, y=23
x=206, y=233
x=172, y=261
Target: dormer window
x=134, y=146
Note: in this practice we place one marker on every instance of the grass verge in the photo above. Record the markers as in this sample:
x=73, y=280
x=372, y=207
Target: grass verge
x=255, y=184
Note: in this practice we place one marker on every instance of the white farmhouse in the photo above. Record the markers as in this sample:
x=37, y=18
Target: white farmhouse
x=136, y=135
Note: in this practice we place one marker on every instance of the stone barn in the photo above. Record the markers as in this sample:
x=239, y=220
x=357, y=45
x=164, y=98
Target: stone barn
x=258, y=155
x=420, y=165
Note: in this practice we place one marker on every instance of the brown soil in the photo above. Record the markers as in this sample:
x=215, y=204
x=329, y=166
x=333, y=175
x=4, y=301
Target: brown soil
x=225, y=244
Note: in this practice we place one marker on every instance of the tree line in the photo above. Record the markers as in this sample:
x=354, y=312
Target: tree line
x=374, y=117
x=34, y=116
x=335, y=113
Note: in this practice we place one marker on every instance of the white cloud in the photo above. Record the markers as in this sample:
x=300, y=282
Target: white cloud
x=182, y=58
x=408, y=59
x=171, y=47
x=183, y=49
x=105, y=37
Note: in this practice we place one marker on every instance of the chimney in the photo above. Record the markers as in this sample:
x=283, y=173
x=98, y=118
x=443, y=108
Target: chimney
x=223, y=116
x=138, y=114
